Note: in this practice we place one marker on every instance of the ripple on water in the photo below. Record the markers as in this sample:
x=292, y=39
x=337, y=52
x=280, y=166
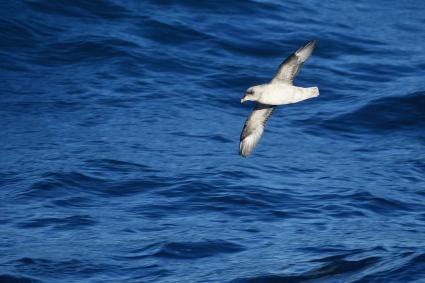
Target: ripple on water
x=389, y=115
x=192, y=250
x=120, y=123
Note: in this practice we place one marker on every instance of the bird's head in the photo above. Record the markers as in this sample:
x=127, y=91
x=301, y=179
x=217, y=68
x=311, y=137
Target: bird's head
x=252, y=93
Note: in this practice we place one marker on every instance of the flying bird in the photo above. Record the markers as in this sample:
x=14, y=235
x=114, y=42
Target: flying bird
x=279, y=91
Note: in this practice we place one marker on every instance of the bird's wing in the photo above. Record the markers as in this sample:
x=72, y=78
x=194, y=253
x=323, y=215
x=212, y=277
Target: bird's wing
x=254, y=127
x=289, y=68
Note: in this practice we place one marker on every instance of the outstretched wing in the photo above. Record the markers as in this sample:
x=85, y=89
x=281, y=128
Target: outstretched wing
x=254, y=128
x=289, y=68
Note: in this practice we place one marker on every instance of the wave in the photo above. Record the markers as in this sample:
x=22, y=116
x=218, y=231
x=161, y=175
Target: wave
x=49, y=269
x=78, y=9
x=5, y=278
x=335, y=269
x=84, y=50
x=191, y=250
x=388, y=115
x=411, y=270
x=53, y=185
x=120, y=123
x=66, y=223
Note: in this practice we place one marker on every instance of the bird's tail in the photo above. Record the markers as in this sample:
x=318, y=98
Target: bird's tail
x=314, y=91
x=303, y=94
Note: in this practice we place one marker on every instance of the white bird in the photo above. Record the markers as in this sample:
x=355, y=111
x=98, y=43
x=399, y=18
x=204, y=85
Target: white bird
x=279, y=91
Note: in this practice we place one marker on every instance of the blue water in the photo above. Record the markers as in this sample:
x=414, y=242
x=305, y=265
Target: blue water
x=120, y=124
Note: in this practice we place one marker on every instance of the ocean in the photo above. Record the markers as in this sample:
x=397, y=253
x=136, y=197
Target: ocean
x=120, y=124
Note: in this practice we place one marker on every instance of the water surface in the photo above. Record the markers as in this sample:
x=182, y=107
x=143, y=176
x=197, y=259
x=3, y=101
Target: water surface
x=120, y=124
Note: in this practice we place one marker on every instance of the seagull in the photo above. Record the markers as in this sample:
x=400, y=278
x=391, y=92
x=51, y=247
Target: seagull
x=279, y=91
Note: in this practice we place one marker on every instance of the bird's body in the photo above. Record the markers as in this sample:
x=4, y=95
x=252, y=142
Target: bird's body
x=279, y=91
x=284, y=93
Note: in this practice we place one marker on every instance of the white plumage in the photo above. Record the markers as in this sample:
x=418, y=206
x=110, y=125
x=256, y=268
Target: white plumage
x=279, y=91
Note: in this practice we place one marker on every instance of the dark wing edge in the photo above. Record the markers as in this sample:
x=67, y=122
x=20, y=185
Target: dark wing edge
x=289, y=68
x=254, y=128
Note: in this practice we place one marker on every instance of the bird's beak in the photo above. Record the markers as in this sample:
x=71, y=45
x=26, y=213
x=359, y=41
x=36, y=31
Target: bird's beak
x=243, y=99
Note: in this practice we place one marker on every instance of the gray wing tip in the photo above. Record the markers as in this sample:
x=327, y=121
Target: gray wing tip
x=311, y=43
x=290, y=67
x=244, y=155
x=244, y=149
x=305, y=51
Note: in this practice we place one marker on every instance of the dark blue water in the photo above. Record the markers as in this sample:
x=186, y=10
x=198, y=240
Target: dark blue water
x=120, y=124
